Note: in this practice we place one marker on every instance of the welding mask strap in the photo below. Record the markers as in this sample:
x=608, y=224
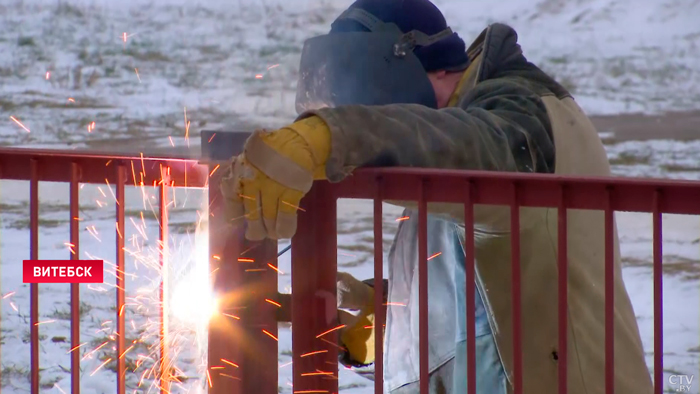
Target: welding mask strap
x=407, y=41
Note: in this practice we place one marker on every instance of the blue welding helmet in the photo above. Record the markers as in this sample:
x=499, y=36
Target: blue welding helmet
x=374, y=67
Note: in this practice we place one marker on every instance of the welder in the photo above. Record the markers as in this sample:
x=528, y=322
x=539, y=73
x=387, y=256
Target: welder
x=392, y=85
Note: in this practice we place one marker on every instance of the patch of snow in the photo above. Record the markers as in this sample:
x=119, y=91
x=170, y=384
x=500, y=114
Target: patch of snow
x=132, y=67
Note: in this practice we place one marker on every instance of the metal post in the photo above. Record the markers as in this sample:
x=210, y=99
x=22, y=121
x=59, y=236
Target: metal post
x=121, y=281
x=243, y=338
x=314, y=314
x=74, y=287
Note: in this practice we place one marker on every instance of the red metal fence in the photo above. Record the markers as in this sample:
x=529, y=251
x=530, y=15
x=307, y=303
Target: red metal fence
x=245, y=273
x=75, y=168
x=317, y=223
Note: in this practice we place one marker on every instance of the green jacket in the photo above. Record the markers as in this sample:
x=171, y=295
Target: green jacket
x=511, y=116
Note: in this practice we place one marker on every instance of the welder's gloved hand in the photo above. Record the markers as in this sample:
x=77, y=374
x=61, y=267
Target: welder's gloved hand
x=356, y=312
x=264, y=185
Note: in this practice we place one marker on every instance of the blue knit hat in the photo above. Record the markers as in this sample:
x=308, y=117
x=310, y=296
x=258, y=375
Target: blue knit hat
x=422, y=15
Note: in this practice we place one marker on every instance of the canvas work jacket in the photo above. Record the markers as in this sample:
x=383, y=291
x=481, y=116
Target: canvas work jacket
x=508, y=115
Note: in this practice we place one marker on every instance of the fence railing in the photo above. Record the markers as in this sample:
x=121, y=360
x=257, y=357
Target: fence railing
x=75, y=168
x=245, y=273
x=315, y=255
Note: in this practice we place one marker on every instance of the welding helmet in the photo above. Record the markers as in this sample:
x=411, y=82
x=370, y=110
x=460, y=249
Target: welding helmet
x=373, y=67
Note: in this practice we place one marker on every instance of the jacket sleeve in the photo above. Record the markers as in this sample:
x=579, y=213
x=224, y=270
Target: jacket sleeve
x=500, y=125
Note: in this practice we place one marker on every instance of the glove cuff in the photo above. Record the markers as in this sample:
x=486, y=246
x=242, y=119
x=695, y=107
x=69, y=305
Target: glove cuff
x=317, y=136
x=279, y=168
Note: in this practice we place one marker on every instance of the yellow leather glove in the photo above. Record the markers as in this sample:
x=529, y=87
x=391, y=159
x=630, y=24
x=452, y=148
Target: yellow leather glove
x=358, y=334
x=264, y=185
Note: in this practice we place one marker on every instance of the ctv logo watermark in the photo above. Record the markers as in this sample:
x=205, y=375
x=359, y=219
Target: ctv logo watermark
x=681, y=383
x=63, y=271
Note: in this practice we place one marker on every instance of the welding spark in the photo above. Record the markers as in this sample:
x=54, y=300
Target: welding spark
x=402, y=218
x=294, y=206
x=70, y=99
x=76, y=347
x=90, y=353
x=44, y=322
x=434, y=256
x=247, y=197
x=124, y=36
x=19, y=123
x=10, y=294
x=312, y=353
x=331, y=330
x=275, y=268
x=137, y=74
x=100, y=367
x=316, y=374
x=187, y=129
x=223, y=360
x=258, y=76
x=126, y=351
x=270, y=335
x=273, y=302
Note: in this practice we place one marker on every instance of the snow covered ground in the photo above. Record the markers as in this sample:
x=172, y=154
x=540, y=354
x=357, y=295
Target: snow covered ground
x=133, y=66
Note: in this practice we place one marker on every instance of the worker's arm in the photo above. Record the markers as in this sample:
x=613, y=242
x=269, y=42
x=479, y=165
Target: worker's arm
x=501, y=125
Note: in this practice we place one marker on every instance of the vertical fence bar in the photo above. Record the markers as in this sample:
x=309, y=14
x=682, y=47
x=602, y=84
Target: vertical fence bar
x=658, y=296
x=314, y=307
x=563, y=290
x=469, y=267
x=423, y=289
x=515, y=292
x=379, y=314
x=225, y=330
x=121, y=282
x=165, y=279
x=259, y=318
x=609, y=294
x=34, y=287
x=1, y=310
x=74, y=287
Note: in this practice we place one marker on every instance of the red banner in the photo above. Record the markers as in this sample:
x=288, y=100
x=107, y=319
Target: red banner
x=63, y=271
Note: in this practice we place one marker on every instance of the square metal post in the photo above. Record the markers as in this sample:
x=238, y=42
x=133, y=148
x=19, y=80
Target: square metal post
x=243, y=337
x=314, y=307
